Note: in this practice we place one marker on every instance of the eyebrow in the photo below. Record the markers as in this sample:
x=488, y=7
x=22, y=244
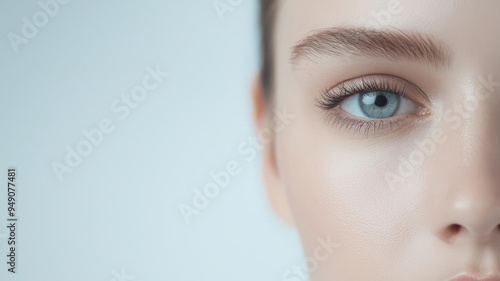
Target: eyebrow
x=392, y=44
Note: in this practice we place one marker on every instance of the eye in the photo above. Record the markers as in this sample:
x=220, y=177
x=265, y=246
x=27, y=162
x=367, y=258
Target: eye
x=378, y=105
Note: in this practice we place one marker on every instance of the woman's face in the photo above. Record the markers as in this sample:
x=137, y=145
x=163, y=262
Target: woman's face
x=393, y=154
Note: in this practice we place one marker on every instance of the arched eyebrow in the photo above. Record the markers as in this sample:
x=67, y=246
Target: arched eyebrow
x=392, y=44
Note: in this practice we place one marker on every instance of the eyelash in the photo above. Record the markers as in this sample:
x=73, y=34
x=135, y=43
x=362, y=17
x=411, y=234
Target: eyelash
x=331, y=98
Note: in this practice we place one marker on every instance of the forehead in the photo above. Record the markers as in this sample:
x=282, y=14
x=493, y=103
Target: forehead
x=471, y=27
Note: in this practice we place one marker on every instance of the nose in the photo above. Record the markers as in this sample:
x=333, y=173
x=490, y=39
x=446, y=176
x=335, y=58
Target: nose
x=472, y=210
x=466, y=177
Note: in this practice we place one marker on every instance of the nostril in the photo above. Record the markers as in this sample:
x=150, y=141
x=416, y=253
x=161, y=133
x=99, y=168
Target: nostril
x=451, y=232
x=454, y=229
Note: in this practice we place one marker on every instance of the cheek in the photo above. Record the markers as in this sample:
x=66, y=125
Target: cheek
x=337, y=188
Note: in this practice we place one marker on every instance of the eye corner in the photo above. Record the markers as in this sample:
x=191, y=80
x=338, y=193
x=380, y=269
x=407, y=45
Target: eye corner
x=423, y=112
x=328, y=100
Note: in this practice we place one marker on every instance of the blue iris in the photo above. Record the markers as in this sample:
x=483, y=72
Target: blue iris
x=379, y=104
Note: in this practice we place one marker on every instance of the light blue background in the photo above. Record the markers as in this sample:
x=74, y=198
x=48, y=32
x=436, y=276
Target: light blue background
x=119, y=208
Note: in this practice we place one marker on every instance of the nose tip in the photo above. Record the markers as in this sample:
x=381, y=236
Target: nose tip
x=467, y=206
x=480, y=221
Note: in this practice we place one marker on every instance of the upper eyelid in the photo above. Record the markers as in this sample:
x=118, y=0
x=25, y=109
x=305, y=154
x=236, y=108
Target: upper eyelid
x=385, y=82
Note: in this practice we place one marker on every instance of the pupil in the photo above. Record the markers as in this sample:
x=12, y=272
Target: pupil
x=381, y=101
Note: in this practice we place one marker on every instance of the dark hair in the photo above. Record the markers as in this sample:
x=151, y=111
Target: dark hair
x=267, y=17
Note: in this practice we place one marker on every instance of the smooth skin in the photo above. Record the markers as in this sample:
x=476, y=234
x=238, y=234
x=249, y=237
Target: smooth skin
x=395, y=214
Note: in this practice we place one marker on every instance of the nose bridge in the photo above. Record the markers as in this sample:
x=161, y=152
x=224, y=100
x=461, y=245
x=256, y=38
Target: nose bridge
x=470, y=199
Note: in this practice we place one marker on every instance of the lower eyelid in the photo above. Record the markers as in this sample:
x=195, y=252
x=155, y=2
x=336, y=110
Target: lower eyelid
x=370, y=127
